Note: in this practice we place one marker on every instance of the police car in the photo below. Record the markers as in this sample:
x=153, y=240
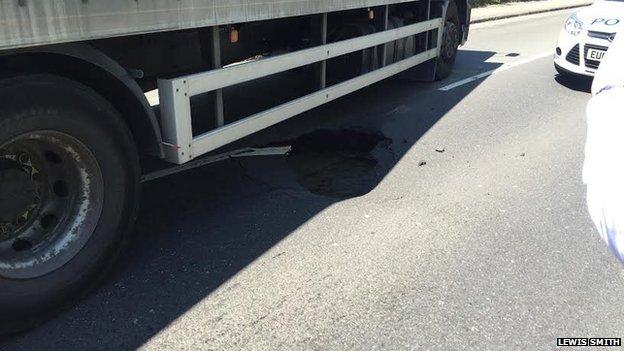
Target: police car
x=587, y=36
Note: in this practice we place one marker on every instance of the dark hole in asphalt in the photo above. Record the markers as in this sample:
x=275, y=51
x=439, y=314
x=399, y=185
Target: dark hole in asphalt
x=340, y=163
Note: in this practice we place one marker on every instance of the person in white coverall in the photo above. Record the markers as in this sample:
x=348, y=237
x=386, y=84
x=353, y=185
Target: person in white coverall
x=603, y=172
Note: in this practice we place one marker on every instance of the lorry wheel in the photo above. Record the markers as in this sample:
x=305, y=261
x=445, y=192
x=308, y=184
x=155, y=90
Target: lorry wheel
x=68, y=194
x=451, y=38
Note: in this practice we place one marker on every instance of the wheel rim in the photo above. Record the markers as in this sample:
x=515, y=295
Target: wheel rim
x=51, y=195
x=450, y=41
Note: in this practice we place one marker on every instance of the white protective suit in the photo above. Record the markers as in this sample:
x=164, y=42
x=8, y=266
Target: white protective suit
x=603, y=171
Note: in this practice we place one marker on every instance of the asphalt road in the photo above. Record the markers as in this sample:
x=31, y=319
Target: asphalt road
x=454, y=220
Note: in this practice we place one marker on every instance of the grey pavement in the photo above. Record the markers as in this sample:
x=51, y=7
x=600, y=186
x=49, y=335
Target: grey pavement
x=456, y=221
x=513, y=9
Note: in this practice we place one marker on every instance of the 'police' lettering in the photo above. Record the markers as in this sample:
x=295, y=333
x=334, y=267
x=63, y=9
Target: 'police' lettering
x=608, y=22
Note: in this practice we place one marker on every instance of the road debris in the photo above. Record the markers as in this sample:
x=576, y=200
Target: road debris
x=200, y=162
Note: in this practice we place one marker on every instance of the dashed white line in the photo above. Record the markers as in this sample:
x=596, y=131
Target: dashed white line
x=502, y=68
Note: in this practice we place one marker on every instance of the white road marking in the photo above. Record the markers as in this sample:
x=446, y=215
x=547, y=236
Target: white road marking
x=502, y=68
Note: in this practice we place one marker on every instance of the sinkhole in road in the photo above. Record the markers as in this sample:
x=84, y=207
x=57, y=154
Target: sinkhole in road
x=341, y=163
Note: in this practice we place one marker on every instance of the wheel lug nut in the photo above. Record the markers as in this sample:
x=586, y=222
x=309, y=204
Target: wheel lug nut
x=23, y=158
x=21, y=245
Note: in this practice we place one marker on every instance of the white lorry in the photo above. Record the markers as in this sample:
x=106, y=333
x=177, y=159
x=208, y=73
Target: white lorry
x=76, y=120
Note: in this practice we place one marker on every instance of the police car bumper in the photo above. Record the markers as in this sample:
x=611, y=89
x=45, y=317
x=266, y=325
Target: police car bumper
x=580, y=54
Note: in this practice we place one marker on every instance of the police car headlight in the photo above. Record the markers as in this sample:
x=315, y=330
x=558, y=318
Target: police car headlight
x=573, y=25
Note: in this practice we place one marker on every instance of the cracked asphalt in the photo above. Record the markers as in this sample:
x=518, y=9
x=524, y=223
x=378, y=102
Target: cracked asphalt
x=460, y=225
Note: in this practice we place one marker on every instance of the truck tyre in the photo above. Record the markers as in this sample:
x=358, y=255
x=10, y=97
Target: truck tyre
x=451, y=38
x=69, y=193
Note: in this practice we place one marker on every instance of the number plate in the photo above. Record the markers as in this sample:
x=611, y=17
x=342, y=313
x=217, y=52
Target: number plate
x=595, y=55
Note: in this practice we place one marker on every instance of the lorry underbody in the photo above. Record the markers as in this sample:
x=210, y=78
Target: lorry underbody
x=89, y=90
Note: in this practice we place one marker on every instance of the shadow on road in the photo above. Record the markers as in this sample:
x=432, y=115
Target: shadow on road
x=199, y=229
x=580, y=84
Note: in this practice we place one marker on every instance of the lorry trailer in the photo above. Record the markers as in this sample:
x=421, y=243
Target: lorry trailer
x=92, y=90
